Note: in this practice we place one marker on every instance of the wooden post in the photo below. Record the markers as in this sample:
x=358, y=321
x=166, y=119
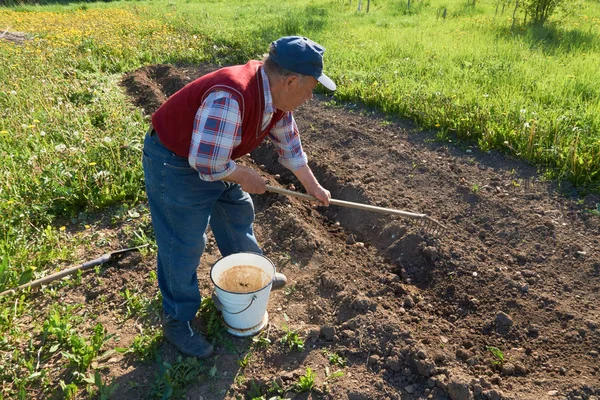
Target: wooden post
x=368, y=5
x=359, y=5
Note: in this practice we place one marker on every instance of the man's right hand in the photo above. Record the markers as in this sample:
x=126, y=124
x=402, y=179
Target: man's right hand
x=248, y=178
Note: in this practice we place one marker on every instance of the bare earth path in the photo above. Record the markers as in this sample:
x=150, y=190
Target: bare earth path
x=414, y=314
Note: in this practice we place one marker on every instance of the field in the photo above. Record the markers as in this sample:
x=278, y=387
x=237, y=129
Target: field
x=492, y=130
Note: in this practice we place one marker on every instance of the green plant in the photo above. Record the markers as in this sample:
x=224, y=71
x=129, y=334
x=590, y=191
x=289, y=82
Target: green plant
x=144, y=346
x=335, y=359
x=69, y=390
x=475, y=188
x=497, y=354
x=306, y=382
x=81, y=353
x=243, y=362
x=261, y=341
x=292, y=340
x=171, y=379
x=103, y=391
x=216, y=331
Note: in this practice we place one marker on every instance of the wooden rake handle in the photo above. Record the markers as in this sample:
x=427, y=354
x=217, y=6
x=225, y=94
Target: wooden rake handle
x=349, y=204
x=83, y=267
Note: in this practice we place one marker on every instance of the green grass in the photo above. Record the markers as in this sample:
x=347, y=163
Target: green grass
x=70, y=141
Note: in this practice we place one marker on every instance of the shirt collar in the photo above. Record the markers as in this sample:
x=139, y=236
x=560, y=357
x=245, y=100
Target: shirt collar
x=267, y=91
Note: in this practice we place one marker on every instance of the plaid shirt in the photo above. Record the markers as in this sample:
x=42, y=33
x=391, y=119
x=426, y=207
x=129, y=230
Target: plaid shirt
x=218, y=130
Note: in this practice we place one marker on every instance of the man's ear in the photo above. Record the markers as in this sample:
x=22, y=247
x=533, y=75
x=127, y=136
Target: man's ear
x=291, y=81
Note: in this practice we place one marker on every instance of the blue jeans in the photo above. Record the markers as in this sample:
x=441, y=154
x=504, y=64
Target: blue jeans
x=182, y=206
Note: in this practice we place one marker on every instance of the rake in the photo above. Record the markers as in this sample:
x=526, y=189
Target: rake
x=427, y=223
x=81, y=267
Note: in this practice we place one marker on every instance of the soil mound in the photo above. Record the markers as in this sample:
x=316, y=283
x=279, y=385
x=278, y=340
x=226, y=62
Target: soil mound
x=420, y=316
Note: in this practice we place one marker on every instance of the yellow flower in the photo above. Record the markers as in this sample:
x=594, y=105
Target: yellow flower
x=3, y=132
x=92, y=164
x=63, y=228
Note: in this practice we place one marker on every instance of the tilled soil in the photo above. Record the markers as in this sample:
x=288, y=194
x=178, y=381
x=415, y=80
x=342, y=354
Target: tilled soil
x=415, y=313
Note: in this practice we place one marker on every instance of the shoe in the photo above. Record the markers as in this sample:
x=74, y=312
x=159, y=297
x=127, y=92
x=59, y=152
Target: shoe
x=187, y=340
x=279, y=281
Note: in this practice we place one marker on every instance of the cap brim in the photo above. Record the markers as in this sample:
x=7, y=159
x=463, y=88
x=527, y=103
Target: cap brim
x=327, y=82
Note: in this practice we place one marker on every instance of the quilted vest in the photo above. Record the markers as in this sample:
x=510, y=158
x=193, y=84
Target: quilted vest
x=174, y=120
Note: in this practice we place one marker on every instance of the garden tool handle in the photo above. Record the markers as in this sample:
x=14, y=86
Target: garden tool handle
x=349, y=204
x=86, y=265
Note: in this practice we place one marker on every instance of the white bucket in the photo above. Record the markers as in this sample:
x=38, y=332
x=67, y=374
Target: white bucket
x=244, y=313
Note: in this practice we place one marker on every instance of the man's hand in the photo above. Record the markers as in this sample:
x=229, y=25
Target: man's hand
x=320, y=193
x=312, y=186
x=248, y=178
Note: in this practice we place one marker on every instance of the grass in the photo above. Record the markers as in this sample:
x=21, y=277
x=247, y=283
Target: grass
x=70, y=141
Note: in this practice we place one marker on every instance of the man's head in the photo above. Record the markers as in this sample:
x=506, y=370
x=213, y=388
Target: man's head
x=295, y=66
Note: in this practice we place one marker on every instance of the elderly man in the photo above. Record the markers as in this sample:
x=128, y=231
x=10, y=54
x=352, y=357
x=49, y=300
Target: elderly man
x=191, y=176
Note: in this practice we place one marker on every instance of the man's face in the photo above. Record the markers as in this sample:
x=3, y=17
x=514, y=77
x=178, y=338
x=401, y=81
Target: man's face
x=295, y=91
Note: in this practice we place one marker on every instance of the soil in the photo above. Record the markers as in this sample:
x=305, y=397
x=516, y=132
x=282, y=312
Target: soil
x=414, y=313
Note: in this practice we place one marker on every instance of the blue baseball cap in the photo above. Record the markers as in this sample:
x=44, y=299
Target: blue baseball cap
x=301, y=55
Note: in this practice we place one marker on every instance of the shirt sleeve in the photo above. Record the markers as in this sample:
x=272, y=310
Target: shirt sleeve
x=217, y=131
x=286, y=138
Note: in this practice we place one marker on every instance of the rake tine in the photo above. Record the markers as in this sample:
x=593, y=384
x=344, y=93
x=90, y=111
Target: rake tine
x=432, y=226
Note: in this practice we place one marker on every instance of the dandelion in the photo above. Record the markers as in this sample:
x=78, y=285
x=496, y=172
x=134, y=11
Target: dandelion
x=526, y=125
x=107, y=139
x=63, y=228
x=523, y=111
x=92, y=164
x=13, y=92
x=486, y=95
x=60, y=147
x=3, y=132
x=42, y=133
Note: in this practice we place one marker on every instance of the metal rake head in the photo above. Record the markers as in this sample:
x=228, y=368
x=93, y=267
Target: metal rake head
x=432, y=226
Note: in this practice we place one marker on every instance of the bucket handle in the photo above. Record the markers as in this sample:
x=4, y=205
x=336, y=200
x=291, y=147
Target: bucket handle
x=222, y=309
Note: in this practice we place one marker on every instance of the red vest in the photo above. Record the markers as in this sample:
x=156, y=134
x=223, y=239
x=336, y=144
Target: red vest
x=174, y=120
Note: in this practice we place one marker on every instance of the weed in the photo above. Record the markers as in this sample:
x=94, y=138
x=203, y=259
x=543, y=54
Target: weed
x=81, y=353
x=103, y=391
x=69, y=390
x=475, y=188
x=254, y=390
x=289, y=290
x=498, y=355
x=261, y=341
x=306, y=382
x=216, y=331
x=243, y=363
x=275, y=390
x=335, y=359
x=145, y=346
x=292, y=340
x=171, y=380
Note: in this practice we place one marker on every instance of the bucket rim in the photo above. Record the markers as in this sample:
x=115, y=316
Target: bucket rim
x=243, y=252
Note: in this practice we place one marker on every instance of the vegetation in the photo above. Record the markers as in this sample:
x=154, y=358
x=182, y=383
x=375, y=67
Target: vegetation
x=70, y=141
